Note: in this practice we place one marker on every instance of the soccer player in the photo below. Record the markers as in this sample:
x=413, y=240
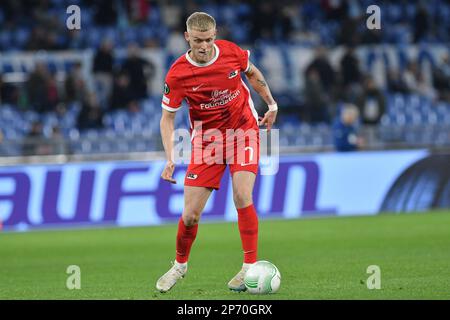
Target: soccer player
x=208, y=77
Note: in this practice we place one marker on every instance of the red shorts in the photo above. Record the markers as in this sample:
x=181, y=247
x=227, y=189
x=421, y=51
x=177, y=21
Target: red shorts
x=209, y=161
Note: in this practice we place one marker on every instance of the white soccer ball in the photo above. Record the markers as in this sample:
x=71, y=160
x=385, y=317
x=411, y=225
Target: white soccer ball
x=262, y=277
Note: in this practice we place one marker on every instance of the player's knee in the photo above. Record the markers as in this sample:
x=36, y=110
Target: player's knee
x=190, y=220
x=191, y=217
x=242, y=199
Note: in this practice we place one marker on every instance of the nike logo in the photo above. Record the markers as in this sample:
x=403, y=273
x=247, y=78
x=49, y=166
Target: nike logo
x=197, y=87
x=246, y=164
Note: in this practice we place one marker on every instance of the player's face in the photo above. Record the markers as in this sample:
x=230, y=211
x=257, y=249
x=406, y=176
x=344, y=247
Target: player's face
x=202, y=44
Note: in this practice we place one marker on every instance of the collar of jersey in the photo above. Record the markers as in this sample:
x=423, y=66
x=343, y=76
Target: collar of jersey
x=203, y=64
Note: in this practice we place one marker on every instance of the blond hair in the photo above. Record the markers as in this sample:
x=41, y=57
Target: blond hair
x=200, y=21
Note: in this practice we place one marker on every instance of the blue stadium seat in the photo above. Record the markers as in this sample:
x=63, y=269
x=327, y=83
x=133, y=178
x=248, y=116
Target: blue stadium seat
x=21, y=36
x=300, y=141
x=413, y=101
x=6, y=66
x=91, y=134
x=73, y=134
x=86, y=146
x=399, y=102
x=385, y=120
x=94, y=37
x=10, y=133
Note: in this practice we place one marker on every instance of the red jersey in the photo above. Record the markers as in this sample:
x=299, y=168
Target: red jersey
x=215, y=92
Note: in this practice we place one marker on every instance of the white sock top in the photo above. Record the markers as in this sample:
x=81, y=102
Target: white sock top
x=246, y=265
x=182, y=265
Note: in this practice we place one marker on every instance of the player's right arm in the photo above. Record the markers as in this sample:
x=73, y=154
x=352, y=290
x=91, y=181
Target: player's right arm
x=171, y=102
x=167, y=128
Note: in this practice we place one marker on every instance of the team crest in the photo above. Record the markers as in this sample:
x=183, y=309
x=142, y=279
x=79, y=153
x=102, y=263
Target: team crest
x=192, y=176
x=233, y=74
x=166, y=88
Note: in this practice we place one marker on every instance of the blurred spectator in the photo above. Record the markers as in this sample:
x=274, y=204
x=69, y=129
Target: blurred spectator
x=60, y=111
x=9, y=94
x=371, y=36
x=105, y=12
x=122, y=95
x=102, y=68
x=421, y=23
x=75, y=40
x=286, y=16
x=171, y=15
x=315, y=99
x=322, y=98
x=321, y=64
x=37, y=39
x=91, y=114
x=394, y=81
x=263, y=20
x=335, y=9
x=139, y=72
x=51, y=42
x=329, y=21
x=351, y=75
x=57, y=142
x=33, y=143
x=441, y=78
x=75, y=85
x=345, y=130
x=415, y=82
x=53, y=94
x=409, y=76
x=424, y=88
x=371, y=103
x=13, y=11
x=349, y=34
x=37, y=87
x=138, y=10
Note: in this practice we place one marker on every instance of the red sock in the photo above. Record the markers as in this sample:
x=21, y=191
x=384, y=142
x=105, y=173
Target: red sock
x=185, y=238
x=248, y=228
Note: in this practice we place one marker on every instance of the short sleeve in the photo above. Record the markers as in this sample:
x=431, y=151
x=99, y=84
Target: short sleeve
x=173, y=94
x=244, y=58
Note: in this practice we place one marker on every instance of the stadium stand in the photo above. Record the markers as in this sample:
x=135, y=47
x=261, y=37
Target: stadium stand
x=312, y=68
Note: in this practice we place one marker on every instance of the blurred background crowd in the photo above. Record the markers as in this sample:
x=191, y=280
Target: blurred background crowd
x=98, y=89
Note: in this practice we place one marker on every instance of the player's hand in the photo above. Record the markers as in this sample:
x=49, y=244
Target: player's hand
x=269, y=119
x=168, y=172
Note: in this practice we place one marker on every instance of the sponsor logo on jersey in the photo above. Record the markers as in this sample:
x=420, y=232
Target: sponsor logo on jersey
x=191, y=176
x=216, y=94
x=166, y=100
x=220, y=98
x=233, y=74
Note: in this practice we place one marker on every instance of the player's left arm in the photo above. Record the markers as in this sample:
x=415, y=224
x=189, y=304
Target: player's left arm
x=257, y=81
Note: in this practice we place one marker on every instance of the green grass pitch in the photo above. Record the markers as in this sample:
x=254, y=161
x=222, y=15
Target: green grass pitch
x=324, y=258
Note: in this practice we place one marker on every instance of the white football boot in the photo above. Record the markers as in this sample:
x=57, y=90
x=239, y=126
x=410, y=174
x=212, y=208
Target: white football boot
x=237, y=283
x=170, y=278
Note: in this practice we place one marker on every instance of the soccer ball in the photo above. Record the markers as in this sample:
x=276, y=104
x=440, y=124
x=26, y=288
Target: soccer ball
x=262, y=277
